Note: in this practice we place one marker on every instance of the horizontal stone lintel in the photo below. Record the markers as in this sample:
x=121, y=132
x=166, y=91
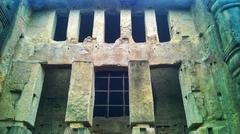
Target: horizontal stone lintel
x=108, y=54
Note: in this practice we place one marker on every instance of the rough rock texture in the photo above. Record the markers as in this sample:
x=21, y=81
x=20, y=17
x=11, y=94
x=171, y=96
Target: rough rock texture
x=204, y=44
x=15, y=130
x=143, y=129
x=140, y=93
x=81, y=94
x=16, y=29
x=119, y=125
x=222, y=78
x=21, y=96
x=76, y=131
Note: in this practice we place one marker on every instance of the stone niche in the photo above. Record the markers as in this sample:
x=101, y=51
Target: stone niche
x=168, y=105
x=52, y=108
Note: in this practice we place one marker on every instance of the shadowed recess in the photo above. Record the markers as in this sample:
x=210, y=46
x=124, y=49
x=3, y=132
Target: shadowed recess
x=53, y=102
x=163, y=27
x=61, y=26
x=112, y=26
x=138, y=27
x=86, y=26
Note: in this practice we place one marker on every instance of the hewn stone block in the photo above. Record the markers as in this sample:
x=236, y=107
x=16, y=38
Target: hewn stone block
x=76, y=131
x=73, y=26
x=143, y=130
x=151, y=27
x=19, y=130
x=42, y=26
x=126, y=24
x=14, y=130
x=22, y=91
x=191, y=99
x=140, y=93
x=81, y=94
x=98, y=26
x=182, y=26
x=27, y=106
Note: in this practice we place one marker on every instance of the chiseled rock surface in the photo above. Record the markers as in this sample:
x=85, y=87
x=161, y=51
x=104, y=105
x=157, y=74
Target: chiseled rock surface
x=140, y=93
x=81, y=94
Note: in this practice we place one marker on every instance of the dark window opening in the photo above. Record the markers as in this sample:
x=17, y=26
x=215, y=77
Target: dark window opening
x=111, y=94
x=53, y=101
x=61, y=26
x=138, y=27
x=163, y=27
x=86, y=25
x=112, y=26
x=168, y=104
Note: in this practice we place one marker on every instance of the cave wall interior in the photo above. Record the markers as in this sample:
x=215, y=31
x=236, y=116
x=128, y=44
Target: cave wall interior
x=183, y=73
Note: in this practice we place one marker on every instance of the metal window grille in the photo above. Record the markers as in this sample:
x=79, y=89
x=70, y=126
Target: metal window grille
x=111, y=94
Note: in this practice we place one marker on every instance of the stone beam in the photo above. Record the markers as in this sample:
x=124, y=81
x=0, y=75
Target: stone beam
x=81, y=94
x=126, y=24
x=73, y=26
x=140, y=93
x=99, y=26
x=151, y=27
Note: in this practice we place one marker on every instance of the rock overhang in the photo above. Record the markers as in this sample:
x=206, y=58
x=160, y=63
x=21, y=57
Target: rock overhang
x=111, y=4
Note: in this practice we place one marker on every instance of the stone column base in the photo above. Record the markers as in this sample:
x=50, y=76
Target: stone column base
x=76, y=128
x=14, y=130
x=69, y=130
x=143, y=129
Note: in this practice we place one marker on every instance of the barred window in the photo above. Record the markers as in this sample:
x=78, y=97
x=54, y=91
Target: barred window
x=111, y=94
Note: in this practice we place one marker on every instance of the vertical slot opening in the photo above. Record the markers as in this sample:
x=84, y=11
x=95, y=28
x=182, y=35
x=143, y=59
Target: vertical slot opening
x=53, y=101
x=163, y=27
x=112, y=26
x=138, y=27
x=86, y=25
x=168, y=103
x=61, y=26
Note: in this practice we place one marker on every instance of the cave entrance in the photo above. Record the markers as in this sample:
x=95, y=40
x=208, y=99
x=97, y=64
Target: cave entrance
x=111, y=109
x=52, y=107
x=168, y=105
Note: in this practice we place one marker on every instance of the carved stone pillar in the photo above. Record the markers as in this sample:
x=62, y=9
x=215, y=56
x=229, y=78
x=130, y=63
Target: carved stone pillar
x=141, y=98
x=226, y=14
x=20, y=99
x=81, y=98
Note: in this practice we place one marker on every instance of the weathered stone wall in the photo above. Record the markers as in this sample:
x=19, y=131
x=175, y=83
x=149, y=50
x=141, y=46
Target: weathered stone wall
x=8, y=11
x=223, y=87
x=21, y=95
x=119, y=125
x=204, y=43
x=15, y=31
